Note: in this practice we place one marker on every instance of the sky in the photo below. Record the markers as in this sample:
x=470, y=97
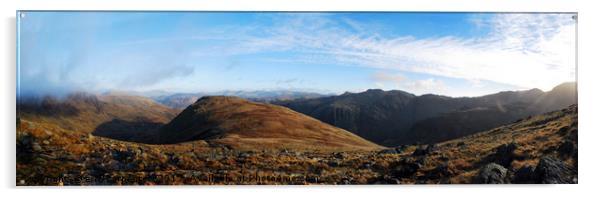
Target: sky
x=453, y=54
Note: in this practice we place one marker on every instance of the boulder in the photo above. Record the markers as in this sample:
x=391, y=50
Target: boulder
x=406, y=168
x=395, y=150
x=551, y=170
x=441, y=171
x=424, y=150
x=504, y=154
x=492, y=173
x=567, y=148
x=36, y=147
x=122, y=155
x=525, y=175
x=563, y=130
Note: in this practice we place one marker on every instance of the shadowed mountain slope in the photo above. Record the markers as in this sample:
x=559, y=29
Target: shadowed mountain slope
x=117, y=116
x=396, y=117
x=242, y=124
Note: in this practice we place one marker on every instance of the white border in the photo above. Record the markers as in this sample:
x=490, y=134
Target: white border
x=589, y=96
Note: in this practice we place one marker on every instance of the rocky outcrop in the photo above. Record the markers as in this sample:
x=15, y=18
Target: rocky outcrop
x=492, y=173
x=551, y=170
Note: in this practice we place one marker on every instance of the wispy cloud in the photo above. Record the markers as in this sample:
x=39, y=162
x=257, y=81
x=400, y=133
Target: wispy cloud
x=525, y=50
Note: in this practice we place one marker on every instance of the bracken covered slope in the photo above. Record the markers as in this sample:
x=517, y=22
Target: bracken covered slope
x=242, y=124
x=538, y=149
x=118, y=116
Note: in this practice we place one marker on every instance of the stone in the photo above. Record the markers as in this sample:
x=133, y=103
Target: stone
x=441, y=171
x=424, y=150
x=406, y=168
x=334, y=163
x=525, y=175
x=122, y=155
x=388, y=151
x=551, y=170
x=567, y=148
x=395, y=150
x=340, y=155
x=504, y=154
x=563, y=130
x=244, y=155
x=40, y=161
x=47, y=156
x=36, y=147
x=492, y=173
x=367, y=165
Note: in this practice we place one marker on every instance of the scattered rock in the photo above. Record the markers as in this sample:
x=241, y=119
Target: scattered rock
x=40, y=161
x=334, y=163
x=368, y=165
x=563, y=130
x=424, y=150
x=122, y=155
x=340, y=155
x=438, y=172
x=492, y=173
x=244, y=155
x=386, y=179
x=395, y=150
x=388, y=151
x=406, y=168
x=47, y=156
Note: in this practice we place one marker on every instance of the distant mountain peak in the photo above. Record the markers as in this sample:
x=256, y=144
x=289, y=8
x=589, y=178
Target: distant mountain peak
x=209, y=99
x=374, y=90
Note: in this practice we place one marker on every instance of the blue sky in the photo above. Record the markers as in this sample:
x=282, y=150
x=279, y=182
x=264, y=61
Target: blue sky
x=455, y=54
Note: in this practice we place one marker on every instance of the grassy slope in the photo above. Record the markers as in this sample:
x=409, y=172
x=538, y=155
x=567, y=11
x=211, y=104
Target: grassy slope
x=243, y=124
x=94, y=110
x=535, y=136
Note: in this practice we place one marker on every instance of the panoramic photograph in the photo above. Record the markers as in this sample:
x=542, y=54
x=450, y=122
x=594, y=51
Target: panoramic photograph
x=295, y=98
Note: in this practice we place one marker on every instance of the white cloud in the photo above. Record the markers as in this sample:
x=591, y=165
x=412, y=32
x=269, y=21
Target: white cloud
x=425, y=86
x=384, y=77
x=525, y=50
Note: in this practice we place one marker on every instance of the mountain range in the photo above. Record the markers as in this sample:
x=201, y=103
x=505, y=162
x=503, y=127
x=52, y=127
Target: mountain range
x=388, y=118
x=396, y=117
x=183, y=100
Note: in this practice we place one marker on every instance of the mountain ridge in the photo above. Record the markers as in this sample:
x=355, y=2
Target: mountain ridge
x=388, y=117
